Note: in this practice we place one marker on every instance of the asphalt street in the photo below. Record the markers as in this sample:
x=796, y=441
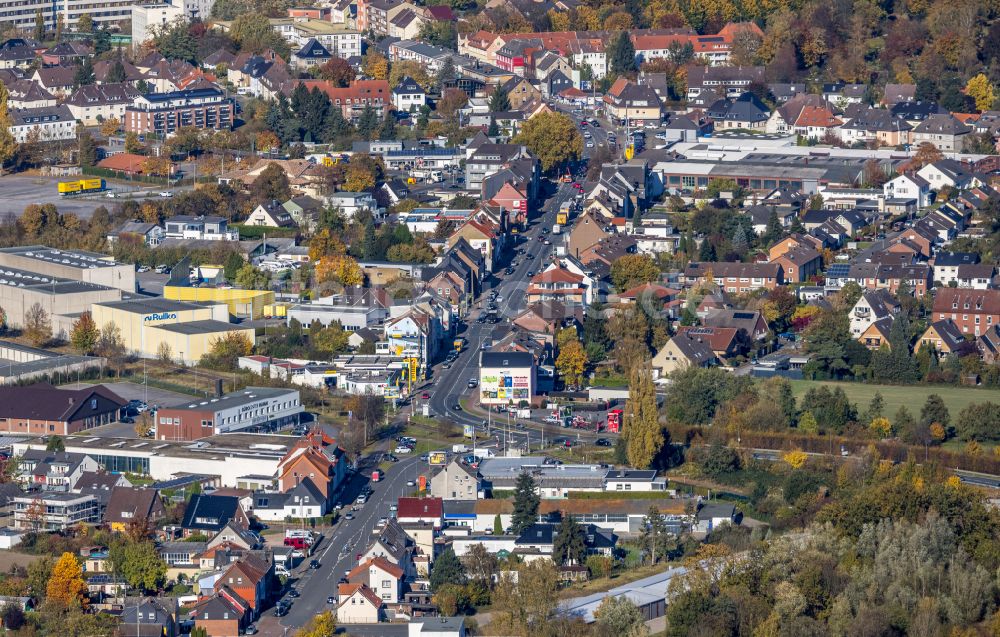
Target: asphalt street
x=337, y=551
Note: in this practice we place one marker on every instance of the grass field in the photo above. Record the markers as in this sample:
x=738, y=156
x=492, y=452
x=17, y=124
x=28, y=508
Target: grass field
x=913, y=396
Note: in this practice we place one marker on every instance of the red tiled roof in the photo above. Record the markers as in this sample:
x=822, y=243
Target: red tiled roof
x=379, y=562
x=557, y=275
x=818, y=116
x=125, y=162
x=420, y=508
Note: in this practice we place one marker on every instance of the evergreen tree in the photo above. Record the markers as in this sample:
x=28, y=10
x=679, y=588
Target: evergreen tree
x=876, y=409
x=935, y=411
x=621, y=54
x=654, y=534
x=39, y=25
x=643, y=433
x=335, y=126
x=497, y=522
x=740, y=244
x=368, y=122
x=388, y=129
x=774, y=230
x=446, y=73
x=369, y=244
x=707, y=251
x=116, y=74
x=493, y=131
x=447, y=569
x=568, y=546
x=526, y=502
x=84, y=75
x=499, y=101
x=87, y=150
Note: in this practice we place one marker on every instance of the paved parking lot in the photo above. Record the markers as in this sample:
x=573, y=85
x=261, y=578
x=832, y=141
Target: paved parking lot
x=21, y=190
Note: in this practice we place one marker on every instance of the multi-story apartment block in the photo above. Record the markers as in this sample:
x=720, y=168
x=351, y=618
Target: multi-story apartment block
x=164, y=113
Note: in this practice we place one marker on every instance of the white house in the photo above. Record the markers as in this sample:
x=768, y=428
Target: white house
x=351, y=203
x=381, y=576
x=948, y=172
x=54, y=123
x=272, y=215
x=712, y=515
x=358, y=604
x=908, y=186
x=412, y=334
x=873, y=306
x=408, y=96
x=633, y=480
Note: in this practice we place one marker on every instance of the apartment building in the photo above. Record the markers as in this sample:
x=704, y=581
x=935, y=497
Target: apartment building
x=973, y=311
x=164, y=113
x=736, y=278
x=339, y=39
x=52, y=122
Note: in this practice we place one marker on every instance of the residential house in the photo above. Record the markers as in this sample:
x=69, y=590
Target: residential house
x=682, y=351
x=97, y=103
x=271, y=214
x=479, y=236
x=315, y=458
x=943, y=131
x=149, y=617
x=973, y=311
x=208, y=514
x=871, y=307
x=27, y=94
x=133, y=507
x=223, y=614
x=730, y=81
x=207, y=227
x=951, y=173
x=54, y=470
x=414, y=333
x=205, y=107
x=977, y=276
x=751, y=322
x=42, y=409
x=58, y=80
x=736, y=277
x=351, y=203
x=988, y=345
x=382, y=577
x=725, y=342
x=876, y=335
x=53, y=511
x=408, y=96
x=743, y=112
x=557, y=284
x=249, y=578
x=712, y=515
x=946, y=339
x=49, y=123
x=946, y=265
x=896, y=93
x=455, y=481
x=393, y=544
x=627, y=101
x=800, y=264
x=908, y=186
x=358, y=604
x=311, y=54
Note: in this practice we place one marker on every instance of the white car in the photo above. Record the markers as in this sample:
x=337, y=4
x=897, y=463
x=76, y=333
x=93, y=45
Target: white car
x=110, y=194
x=590, y=144
x=411, y=483
x=166, y=194
x=402, y=449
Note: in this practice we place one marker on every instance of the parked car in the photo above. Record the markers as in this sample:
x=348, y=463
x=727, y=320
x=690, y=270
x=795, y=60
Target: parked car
x=314, y=564
x=602, y=442
x=403, y=449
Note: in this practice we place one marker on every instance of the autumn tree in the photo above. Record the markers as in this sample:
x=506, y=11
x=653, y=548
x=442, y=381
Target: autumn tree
x=84, y=334
x=249, y=277
x=526, y=606
x=271, y=185
x=654, y=534
x=110, y=126
x=553, y=138
x=643, y=434
x=926, y=153
x=37, y=325
x=981, y=90
x=341, y=269
x=451, y=100
x=111, y=346
x=375, y=66
x=66, y=584
x=226, y=350
x=620, y=616
x=8, y=146
x=322, y=625
x=572, y=362
x=338, y=71
x=634, y=269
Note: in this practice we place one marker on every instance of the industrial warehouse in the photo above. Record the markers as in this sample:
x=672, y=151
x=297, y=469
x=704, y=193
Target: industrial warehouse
x=187, y=329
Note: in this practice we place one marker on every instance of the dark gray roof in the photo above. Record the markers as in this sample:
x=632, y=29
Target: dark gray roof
x=506, y=359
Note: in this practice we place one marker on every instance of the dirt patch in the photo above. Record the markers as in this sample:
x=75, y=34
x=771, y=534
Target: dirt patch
x=13, y=558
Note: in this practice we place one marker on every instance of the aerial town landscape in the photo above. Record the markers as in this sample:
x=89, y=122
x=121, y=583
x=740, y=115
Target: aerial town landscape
x=530, y=318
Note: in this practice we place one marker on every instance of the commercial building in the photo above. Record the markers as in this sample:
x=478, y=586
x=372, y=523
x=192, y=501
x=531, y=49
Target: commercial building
x=253, y=408
x=77, y=265
x=42, y=409
x=506, y=377
x=63, y=299
x=241, y=303
x=187, y=329
x=241, y=460
x=20, y=363
x=164, y=113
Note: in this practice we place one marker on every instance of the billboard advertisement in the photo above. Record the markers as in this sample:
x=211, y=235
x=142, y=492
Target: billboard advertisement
x=504, y=387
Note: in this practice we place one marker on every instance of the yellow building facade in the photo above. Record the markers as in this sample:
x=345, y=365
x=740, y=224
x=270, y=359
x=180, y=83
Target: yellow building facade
x=241, y=303
x=188, y=330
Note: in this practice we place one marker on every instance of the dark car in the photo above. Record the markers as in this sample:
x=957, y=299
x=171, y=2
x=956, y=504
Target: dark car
x=293, y=593
x=457, y=407
x=602, y=442
x=313, y=564
x=280, y=610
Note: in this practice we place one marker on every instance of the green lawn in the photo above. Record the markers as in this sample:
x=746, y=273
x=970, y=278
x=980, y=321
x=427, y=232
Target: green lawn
x=913, y=396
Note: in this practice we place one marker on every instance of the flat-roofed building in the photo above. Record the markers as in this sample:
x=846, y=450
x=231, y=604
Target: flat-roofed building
x=252, y=408
x=76, y=265
x=187, y=329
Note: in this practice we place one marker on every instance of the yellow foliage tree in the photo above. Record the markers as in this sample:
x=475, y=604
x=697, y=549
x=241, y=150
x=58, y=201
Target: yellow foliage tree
x=340, y=268
x=974, y=449
x=881, y=426
x=266, y=140
x=980, y=89
x=954, y=482
x=559, y=20
x=938, y=433
x=376, y=66
x=572, y=361
x=110, y=126
x=322, y=625
x=66, y=584
x=795, y=458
